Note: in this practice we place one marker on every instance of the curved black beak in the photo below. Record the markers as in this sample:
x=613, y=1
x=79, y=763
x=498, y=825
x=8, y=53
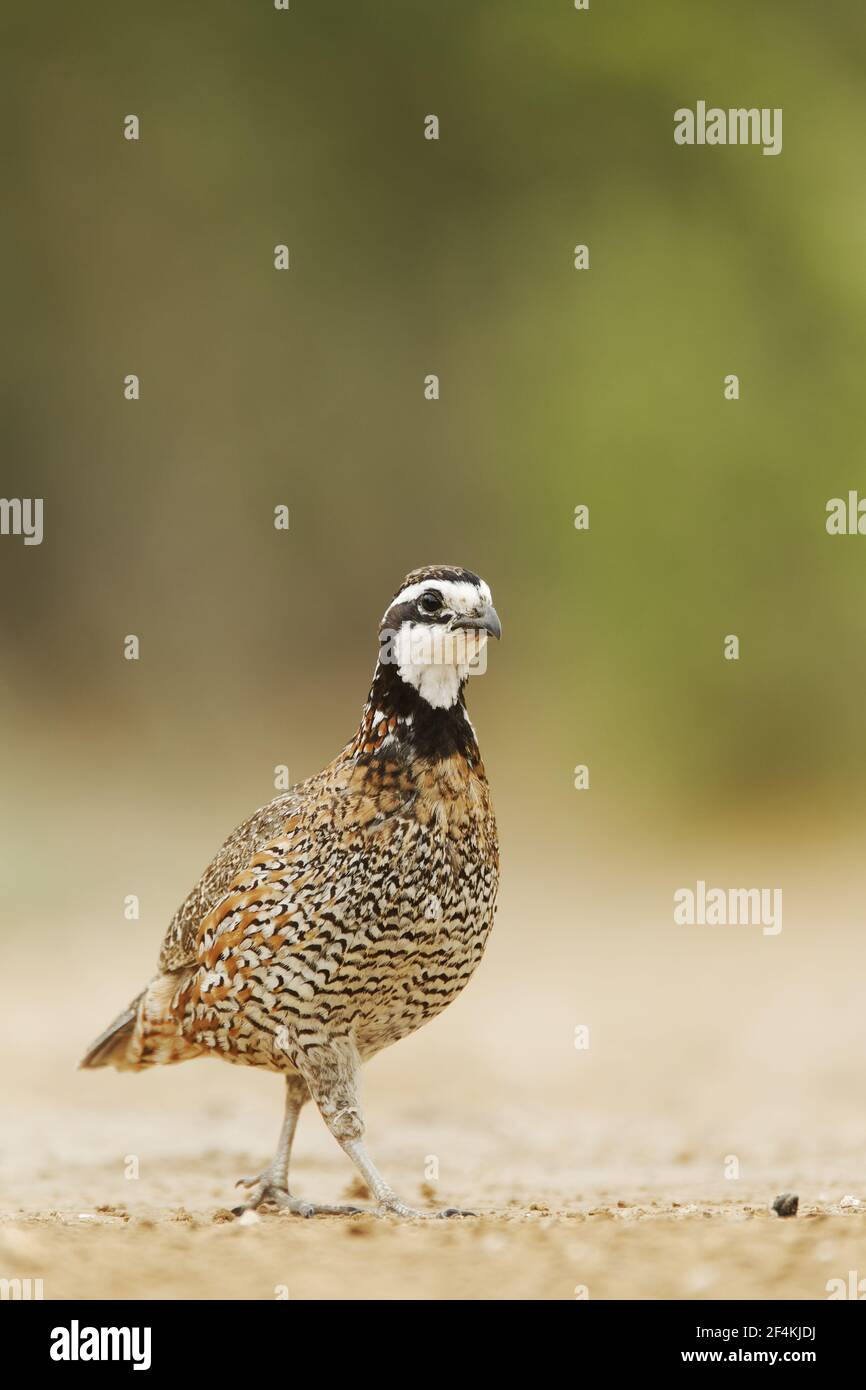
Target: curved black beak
x=486, y=621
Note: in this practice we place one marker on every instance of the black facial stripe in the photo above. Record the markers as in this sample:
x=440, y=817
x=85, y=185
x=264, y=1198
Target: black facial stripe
x=400, y=613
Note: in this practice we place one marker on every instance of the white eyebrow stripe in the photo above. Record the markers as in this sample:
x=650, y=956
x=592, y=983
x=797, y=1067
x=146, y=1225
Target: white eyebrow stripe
x=460, y=595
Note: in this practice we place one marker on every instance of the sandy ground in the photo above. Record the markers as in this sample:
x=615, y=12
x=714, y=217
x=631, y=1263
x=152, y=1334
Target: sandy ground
x=722, y=1069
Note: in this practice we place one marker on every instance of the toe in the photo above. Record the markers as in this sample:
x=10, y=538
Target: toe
x=283, y=1200
x=395, y=1207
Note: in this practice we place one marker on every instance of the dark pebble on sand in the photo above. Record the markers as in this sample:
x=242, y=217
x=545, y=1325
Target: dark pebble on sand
x=786, y=1204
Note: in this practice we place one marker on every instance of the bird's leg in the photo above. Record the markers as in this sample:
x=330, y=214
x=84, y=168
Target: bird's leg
x=332, y=1074
x=272, y=1186
x=274, y=1181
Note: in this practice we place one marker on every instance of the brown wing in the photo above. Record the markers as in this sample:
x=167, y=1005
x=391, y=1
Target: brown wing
x=179, y=946
x=307, y=838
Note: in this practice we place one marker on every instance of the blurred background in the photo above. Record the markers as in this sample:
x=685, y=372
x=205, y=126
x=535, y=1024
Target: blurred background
x=305, y=388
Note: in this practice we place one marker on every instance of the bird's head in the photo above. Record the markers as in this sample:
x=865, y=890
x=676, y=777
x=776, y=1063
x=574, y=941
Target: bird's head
x=434, y=631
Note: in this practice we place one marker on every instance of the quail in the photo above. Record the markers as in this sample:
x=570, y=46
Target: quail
x=353, y=907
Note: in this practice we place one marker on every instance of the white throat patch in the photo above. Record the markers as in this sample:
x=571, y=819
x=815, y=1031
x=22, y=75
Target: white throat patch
x=438, y=685
x=436, y=661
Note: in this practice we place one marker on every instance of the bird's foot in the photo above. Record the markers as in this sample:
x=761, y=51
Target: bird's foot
x=266, y=1192
x=391, y=1204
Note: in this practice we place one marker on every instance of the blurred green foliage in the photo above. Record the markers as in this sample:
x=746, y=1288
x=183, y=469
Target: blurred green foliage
x=557, y=387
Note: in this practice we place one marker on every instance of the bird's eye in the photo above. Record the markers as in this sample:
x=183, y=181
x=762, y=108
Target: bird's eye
x=430, y=602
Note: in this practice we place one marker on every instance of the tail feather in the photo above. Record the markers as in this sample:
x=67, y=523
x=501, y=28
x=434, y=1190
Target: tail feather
x=147, y=1034
x=110, y=1047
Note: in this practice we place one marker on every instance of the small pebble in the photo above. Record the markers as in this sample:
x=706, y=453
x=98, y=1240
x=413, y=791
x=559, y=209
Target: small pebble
x=786, y=1204
x=249, y=1218
x=850, y=1203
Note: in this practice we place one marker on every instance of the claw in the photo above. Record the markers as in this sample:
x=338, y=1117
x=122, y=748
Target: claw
x=268, y=1195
